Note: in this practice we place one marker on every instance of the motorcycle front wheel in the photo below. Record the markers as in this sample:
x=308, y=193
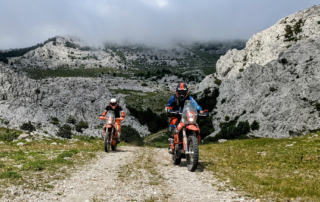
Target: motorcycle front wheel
x=107, y=142
x=193, y=156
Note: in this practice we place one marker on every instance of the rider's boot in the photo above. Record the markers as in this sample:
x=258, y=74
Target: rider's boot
x=170, y=139
x=118, y=138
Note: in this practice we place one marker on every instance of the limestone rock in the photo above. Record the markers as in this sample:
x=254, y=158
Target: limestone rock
x=23, y=136
x=278, y=82
x=222, y=140
x=20, y=144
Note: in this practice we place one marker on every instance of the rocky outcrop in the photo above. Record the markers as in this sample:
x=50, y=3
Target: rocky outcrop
x=23, y=99
x=265, y=46
x=274, y=80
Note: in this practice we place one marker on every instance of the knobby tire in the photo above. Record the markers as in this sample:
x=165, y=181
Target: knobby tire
x=192, y=159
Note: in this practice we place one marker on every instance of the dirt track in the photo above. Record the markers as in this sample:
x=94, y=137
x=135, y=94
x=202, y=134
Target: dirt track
x=136, y=174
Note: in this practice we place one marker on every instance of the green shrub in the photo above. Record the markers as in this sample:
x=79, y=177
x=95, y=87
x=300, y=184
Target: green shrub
x=241, y=70
x=227, y=118
x=218, y=82
x=4, y=59
x=223, y=100
x=9, y=137
x=130, y=135
x=81, y=125
x=71, y=119
x=255, y=125
x=272, y=89
x=244, y=58
x=65, y=132
x=144, y=84
x=54, y=120
x=284, y=61
x=230, y=130
x=28, y=126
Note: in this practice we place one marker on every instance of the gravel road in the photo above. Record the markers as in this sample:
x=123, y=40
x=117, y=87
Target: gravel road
x=136, y=174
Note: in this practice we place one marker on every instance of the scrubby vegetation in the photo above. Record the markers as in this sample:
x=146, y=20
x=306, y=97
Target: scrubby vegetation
x=291, y=32
x=22, y=51
x=131, y=135
x=234, y=130
x=9, y=137
x=154, y=121
x=271, y=169
x=54, y=120
x=71, y=119
x=81, y=125
x=28, y=126
x=65, y=131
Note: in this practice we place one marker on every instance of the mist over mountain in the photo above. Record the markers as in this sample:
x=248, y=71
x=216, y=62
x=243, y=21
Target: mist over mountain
x=157, y=23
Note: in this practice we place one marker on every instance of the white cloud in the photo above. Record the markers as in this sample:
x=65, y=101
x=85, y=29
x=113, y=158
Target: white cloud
x=153, y=22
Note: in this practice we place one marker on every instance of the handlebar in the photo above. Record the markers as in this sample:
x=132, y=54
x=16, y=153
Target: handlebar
x=102, y=117
x=177, y=112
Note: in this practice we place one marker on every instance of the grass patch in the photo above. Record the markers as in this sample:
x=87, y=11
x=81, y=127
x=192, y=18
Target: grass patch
x=280, y=169
x=9, y=174
x=38, y=162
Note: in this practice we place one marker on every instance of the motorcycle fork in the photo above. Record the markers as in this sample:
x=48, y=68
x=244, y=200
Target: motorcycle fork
x=185, y=145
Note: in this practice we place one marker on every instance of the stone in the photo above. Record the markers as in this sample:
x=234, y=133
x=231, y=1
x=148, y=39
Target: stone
x=20, y=144
x=53, y=143
x=2, y=143
x=23, y=136
x=222, y=140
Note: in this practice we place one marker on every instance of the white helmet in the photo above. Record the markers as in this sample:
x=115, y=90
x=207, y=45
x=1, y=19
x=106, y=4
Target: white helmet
x=113, y=103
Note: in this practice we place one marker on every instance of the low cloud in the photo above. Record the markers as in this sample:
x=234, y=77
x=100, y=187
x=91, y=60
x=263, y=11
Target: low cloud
x=152, y=22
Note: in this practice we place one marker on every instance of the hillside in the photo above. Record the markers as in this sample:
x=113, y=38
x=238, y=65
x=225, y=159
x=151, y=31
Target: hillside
x=70, y=53
x=273, y=81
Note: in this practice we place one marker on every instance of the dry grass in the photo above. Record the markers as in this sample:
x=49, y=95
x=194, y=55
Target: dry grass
x=38, y=164
x=278, y=169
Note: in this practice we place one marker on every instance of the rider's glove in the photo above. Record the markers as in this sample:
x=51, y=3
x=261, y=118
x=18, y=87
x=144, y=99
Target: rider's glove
x=167, y=109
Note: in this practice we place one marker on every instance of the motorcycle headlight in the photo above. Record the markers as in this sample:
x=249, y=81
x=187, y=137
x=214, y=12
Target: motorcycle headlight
x=190, y=117
x=110, y=120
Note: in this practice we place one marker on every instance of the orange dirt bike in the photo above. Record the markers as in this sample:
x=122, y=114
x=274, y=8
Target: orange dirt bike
x=187, y=135
x=111, y=129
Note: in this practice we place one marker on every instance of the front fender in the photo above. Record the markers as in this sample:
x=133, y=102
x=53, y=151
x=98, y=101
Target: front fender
x=108, y=126
x=193, y=127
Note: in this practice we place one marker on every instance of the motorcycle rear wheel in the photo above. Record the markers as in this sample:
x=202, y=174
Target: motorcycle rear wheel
x=193, y=157
x=107, y=142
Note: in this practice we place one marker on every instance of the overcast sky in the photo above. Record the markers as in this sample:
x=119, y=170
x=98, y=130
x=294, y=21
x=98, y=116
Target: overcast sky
x=25, y=23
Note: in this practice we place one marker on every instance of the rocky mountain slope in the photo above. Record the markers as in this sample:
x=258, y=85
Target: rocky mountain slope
x=24, y=99
x=274, y=80
x=71, y=53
